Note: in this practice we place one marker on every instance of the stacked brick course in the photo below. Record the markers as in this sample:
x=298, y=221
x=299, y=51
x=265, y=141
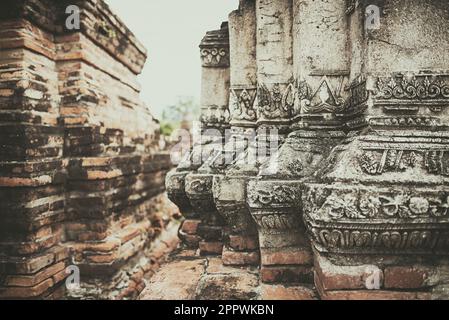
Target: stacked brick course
x=81, y=173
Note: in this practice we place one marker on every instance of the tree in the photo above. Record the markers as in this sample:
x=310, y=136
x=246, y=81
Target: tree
x=179, y=115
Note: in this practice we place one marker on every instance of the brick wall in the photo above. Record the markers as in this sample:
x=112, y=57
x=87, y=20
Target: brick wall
x=81, y=173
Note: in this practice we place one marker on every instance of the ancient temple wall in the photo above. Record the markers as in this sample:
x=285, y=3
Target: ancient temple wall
x=229, y=184
x=215, y=78
x=242, y=37
x=411, y=37
x=274, y=41
x=354, y=199
x=320, y=40
x=274, y=60
x=81, y=173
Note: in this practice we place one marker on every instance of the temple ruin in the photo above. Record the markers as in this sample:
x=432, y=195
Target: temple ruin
x=321, y=173
x=353, y=204
x=81, y=171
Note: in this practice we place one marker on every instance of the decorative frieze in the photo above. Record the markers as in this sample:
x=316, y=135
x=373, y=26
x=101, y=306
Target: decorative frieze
x=214, y=56
x=394, y=160
x=420, y=87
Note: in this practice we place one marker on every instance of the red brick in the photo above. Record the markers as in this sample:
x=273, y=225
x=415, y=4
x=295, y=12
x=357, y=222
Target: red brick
x=407, y=277
x=235, y=258
x=190, y=226
x=369, y=294
x=26, y=292
x=60, y=276
x=286, y=274
x=32, y=280
x=207, y=248
x=333, y=277
x=280, y=292
x=243, y=243
x=286, y=256
x=191, y=241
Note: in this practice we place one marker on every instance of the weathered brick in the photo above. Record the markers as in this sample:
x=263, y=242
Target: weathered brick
x=408, y=277
x=333, y=277
x=212, y=248
x=26, y=292
x=242, y=243
x=190, y=226
x=237, y=258
x=286, y=256
x=286, y=274
x=281, y=292
x=32, y=280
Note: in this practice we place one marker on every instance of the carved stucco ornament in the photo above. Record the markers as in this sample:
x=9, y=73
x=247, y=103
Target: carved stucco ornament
x=386, y=190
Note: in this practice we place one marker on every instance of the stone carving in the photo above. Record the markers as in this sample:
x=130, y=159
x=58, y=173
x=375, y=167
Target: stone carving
x=366, y=167
x=276, y=221
x=323, y=100
x=277, y=102
x=405, y=121
x=422, y=87
x=352, y=205
x=279, y=194
x=242, y=104
x=214, y=57
x=391, y=160
x=200, y=185
x=214, y=116
x=215, y=48
x=350, y=240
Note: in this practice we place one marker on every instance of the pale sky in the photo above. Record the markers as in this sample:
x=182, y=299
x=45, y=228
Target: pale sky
x=171, y=30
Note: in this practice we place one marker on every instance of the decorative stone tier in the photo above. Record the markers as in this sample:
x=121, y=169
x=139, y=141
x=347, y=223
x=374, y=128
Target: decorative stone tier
x=354, y=194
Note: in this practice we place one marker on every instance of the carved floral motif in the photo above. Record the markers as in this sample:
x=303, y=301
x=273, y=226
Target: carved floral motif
x=405, y=121
x=422, y=87
x=242, y=104
x=277, y=102
x=348, y=239
x=355, y=207
x=276, y=221
x=392, y=160
x=215, y=56
x=276, y=195
x=213, y=116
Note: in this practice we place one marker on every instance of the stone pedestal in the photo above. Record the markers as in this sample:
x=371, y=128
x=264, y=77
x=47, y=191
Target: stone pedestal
x=215, y=120
x=381, y=196
x=354, y=195
x=229, y=188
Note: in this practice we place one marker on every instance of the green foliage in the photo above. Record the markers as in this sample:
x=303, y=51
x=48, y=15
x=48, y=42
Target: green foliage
x=185, y=110
x=167, y=129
